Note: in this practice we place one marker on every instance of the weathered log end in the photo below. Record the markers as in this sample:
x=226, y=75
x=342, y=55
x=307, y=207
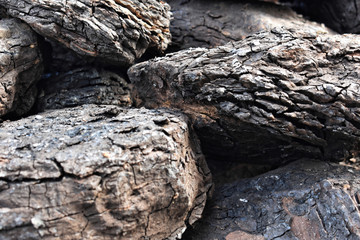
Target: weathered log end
x=100, y=172
x=20, y=67
x=113, y=31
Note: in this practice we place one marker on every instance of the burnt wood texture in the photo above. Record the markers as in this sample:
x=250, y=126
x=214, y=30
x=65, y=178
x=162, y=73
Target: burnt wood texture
x=211, y=23
x=113, y=31
x=21, y=67
x=274, y=97
x=308, y=199
x=100, y=172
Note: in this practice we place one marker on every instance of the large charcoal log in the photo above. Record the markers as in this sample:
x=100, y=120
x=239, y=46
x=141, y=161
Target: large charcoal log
x=341, y=15
x=113, y=31
x=20, y=67
x=83, y=86
x=210, y=23
x=275, y=96
x=100, y=172
x=309, y=200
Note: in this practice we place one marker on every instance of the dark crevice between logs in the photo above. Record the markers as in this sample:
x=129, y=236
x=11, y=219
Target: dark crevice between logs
x=340, y=15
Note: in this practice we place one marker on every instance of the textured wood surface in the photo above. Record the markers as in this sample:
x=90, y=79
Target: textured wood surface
x=308, y=200
x=100, y=172
x=83, y=86
x=273, y=97
x=211, y=23
x=20, y=67
x=113, y=31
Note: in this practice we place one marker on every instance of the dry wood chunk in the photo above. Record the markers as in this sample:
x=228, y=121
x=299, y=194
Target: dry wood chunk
x=20, y=67
x=100, y=172
x=310, y=200
x=113, y=31
x=273, y=97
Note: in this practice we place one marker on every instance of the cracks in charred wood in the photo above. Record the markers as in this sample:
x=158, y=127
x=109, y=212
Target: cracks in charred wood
x=65, y=216
x=281, y=236
x=134, y=174
x=63, y=174
x=174, y=196
x=8, y=229
x=281, y=114
x=147, y=225
x=29, y=197
x=93, y=9
x=84, y=228
x=296, y=122
x=115, y=144
x=355, y=123
x=7, y=91
x=201, y=203
x=109, y=113
x=321, y=218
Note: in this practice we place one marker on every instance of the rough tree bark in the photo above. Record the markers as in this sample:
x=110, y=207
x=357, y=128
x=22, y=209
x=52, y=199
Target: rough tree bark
x=210, y=23
x=100, y=172
x=20, y=67
x=309, y=200
x=83, y=86
x=273, y=97
x=113, y=31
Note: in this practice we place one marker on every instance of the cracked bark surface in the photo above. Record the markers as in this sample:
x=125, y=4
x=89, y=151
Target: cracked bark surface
x=274, y=97
x=83, y=86
x=100, y=172
x=211, y=23
x=112, y=31
x=341, y=15
x=305, y=200
x=20, y=67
